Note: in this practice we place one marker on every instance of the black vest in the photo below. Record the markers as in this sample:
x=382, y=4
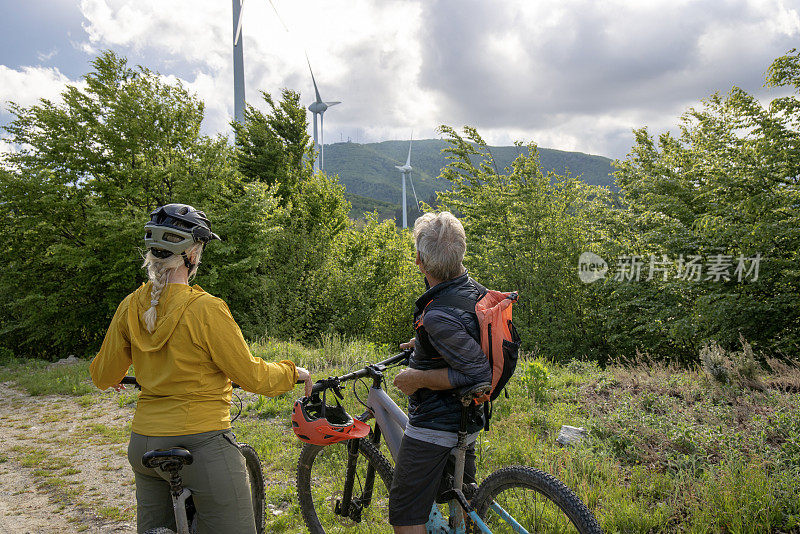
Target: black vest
x=441, y=410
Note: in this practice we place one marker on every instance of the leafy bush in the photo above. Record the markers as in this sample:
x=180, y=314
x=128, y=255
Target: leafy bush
x=7, y=356
x=714, y=362
x=535, y=378
x=525, y=231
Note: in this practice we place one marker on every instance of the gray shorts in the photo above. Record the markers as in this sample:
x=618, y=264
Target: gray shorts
x=217, y=479
x=422, y=471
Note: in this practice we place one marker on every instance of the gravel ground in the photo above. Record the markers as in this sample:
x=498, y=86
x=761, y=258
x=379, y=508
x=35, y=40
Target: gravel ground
x=63, y=464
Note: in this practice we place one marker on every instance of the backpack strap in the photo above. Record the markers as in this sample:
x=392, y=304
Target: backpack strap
x=458, y=301
x=453, y=301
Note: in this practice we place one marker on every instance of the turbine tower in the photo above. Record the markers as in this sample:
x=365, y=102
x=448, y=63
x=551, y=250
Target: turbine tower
x=405, y=170
x=238, y=63
x=318, y=107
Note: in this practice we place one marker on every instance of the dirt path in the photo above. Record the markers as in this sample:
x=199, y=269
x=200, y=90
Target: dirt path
x=63, y=464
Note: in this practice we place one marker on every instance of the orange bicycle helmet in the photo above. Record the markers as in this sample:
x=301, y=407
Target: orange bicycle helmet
x=316, y=423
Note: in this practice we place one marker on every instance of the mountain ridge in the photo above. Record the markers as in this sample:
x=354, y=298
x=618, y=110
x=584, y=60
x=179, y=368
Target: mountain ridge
x=368, y=170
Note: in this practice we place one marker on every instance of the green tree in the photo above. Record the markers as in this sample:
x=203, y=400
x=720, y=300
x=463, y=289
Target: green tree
x=274, y=148
x=272, y=274
x=76, y=193
x=525, y=232
x=727, y=185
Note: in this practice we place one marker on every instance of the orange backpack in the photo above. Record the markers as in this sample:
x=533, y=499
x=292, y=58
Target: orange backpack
x=499, y=339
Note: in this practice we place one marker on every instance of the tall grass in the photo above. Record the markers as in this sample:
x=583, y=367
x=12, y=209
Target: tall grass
x=670, y=449
x=37, y=377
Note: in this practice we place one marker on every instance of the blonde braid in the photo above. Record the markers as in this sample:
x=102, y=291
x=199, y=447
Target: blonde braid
x=158, y=270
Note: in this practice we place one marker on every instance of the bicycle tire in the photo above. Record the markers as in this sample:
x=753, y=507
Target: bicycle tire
x=255, y=478
x=547, y=505
x=317, y=501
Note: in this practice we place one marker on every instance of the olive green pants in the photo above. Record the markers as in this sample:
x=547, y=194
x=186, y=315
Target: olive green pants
x=217, y=479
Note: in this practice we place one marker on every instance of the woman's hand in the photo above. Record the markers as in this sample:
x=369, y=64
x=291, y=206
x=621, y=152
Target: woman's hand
x=304, y=376
x=409, y=345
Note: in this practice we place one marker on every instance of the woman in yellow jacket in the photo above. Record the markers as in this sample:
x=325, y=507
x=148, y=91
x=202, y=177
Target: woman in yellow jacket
x=186, y=348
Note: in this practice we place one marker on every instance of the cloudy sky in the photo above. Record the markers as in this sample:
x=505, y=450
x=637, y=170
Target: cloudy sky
x=567, y=74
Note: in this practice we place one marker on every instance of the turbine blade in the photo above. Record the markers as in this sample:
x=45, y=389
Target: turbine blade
x=278, y=15
x=415, y=193
x=408, y=161
x=399, y=168
x=319, y=98
x=329, y=104
x=238, y=33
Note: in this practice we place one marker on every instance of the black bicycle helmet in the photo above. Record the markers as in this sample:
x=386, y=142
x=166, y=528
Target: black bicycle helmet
x=174, y=228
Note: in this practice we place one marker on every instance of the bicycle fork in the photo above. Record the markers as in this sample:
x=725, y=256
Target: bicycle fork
x=349, y=507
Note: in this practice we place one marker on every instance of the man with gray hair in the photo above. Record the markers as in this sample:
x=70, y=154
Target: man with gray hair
x=447, y=357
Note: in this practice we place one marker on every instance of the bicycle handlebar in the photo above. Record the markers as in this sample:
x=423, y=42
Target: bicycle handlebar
x=131, y=381
x=327, y=383
x=335, y=381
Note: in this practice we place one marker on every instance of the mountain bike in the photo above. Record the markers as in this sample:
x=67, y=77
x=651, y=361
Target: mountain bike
x=173, y=460
x=345, y=486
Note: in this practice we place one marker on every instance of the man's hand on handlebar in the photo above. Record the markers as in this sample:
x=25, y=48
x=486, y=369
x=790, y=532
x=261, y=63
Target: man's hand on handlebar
x=304, y=376
x=409, y=345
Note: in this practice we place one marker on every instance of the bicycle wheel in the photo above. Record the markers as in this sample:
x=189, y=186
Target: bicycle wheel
x=256, y=479
x=320, y=481
x=537, y=501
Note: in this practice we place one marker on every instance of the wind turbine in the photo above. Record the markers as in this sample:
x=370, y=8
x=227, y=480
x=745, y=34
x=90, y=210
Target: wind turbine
x=238, y=59
x=318, y=107
x=238, y=63
x=405, y=171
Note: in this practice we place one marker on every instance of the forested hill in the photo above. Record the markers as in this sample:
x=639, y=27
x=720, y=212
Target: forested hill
x=368, y=169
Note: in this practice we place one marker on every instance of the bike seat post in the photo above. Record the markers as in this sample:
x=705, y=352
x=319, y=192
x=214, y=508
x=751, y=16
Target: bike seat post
x=175, y=481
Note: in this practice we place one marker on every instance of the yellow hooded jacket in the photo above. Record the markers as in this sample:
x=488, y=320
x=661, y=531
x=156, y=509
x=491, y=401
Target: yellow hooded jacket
x=185, y=366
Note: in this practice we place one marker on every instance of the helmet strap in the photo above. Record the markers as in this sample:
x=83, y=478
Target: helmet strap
x=189, y=265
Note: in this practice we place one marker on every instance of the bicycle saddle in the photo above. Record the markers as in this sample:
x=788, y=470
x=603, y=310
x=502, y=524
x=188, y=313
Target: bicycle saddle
x=167, y=458
x=475, y=392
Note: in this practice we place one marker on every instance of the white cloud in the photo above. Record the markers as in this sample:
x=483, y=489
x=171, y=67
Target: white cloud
x=584, y=73
x=6, y=147
x=47, y=56
x=27, y=85
x=570, y=74
x=364, y=54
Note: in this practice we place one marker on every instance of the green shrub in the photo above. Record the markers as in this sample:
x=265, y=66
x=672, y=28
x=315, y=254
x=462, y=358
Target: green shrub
x=715, y=363
x=535, y=378
x=7, y=356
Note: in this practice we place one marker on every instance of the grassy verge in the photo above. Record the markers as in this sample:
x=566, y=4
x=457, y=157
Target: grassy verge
x=38, y=377
x=709, y=449
x=669, y=449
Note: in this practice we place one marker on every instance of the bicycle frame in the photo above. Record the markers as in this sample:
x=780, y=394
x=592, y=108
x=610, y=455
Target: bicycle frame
x=179, y=509
x=390, y=422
